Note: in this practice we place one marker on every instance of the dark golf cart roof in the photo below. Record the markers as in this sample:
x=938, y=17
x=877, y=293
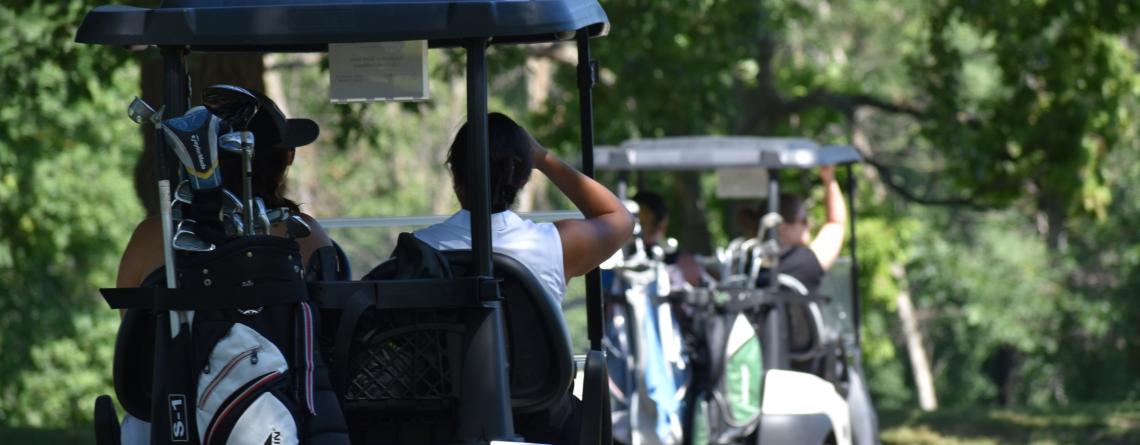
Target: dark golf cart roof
x=310, y=25
x=711, y=152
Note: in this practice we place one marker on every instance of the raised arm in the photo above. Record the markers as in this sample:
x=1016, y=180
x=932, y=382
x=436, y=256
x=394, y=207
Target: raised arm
x=828, y=242
x=607, y=226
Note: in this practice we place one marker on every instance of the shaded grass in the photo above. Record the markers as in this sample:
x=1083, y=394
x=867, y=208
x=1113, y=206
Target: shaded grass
x=1080, y=424
x=77, y=436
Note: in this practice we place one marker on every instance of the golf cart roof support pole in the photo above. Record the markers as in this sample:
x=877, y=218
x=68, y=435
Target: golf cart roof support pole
x=856, y=303
x=174, y=103
x=773, y=207
x=486, y=413
x=478, y=158
x=594, y=310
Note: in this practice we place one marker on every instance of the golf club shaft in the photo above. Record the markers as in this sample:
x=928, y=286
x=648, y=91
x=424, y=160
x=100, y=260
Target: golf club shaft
x=247, y=186
x=167, y=248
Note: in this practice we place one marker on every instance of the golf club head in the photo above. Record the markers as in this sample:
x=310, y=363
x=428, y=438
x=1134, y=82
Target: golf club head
x=231, y=203
x=186, y=239
x=233, y=225
x=235, y=105
x=770, y=221
x=183, y=194
x=278, y=214
x=139, y=111
x=189, y=242
x=194, y=139
x=235, y=140
x=262, y=218
x=176, y=211
x=297, y=227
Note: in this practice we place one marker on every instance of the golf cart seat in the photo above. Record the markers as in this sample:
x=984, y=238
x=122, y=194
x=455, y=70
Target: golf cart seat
x=808, y=350
x=538, y=341
x=329, y=263
x=401, y=374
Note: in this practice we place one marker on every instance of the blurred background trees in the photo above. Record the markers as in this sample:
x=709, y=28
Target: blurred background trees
x=999, y=193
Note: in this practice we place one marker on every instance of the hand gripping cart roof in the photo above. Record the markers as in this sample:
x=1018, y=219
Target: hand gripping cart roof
x=479, y=394
x=783, y=406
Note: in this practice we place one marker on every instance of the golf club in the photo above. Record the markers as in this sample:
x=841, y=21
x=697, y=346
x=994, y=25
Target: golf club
x=237, y=106
x=262, y=218
x=232, y=224
x=186, y=239
x=139, y=111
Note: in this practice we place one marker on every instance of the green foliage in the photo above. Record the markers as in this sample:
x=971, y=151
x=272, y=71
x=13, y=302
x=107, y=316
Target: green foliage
x=997, y=291
x=66, y=203
x=1064, y=94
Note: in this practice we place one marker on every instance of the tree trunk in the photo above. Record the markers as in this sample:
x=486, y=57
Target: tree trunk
x=205, y=69
x=915, y=346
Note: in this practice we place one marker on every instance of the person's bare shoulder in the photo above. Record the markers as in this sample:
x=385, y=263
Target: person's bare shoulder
x=317, y=238
x=143, y=253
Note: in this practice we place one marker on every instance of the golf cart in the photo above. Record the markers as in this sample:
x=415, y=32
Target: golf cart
x=445, y=358
x=772, y=362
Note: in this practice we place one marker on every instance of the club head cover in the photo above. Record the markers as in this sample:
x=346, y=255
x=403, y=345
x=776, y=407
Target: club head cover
x=194, y=139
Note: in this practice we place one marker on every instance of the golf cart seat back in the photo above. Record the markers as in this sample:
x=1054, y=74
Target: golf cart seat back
x=538, y=340
x=329, y=263
x=401, y=373
x=807, y=350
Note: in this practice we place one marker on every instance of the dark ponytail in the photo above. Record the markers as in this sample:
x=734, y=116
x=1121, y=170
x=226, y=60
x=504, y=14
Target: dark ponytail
x=510, y=166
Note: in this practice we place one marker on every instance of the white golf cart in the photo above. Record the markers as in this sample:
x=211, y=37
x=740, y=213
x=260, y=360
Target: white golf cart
x=772, y=362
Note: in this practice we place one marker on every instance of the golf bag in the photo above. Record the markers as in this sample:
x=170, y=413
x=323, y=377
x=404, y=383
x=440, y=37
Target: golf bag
x=728, y=370
x=243, y=367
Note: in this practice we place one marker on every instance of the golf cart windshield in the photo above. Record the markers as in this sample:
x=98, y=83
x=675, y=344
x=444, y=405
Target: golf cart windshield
x=311, y=25
x=714, y=152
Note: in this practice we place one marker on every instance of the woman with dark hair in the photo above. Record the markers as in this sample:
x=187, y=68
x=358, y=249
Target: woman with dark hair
x=554, y=252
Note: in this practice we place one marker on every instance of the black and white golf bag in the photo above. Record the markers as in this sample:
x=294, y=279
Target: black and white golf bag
x=242, y=367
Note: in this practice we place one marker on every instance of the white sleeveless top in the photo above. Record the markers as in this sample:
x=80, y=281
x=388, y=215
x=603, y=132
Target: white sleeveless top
x=536, y=245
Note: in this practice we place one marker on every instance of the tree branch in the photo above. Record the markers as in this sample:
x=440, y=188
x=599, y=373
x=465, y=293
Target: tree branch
x=847, y=103
x=888, y=178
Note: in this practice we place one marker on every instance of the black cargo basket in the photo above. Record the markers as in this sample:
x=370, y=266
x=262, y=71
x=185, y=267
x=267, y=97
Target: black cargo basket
x=399, y=363
x=405, y=359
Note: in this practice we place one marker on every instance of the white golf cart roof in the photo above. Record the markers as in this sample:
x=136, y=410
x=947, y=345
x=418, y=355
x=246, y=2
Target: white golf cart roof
x=716, y=152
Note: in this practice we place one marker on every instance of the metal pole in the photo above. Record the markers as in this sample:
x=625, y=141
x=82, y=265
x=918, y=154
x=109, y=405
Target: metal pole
x=594, y=308
x=856, y=304
x=485, y=412
x=165, y=429
x=478, y=157
x=773, y=207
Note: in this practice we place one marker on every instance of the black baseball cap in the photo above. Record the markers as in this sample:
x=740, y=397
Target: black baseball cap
x=272, y=129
